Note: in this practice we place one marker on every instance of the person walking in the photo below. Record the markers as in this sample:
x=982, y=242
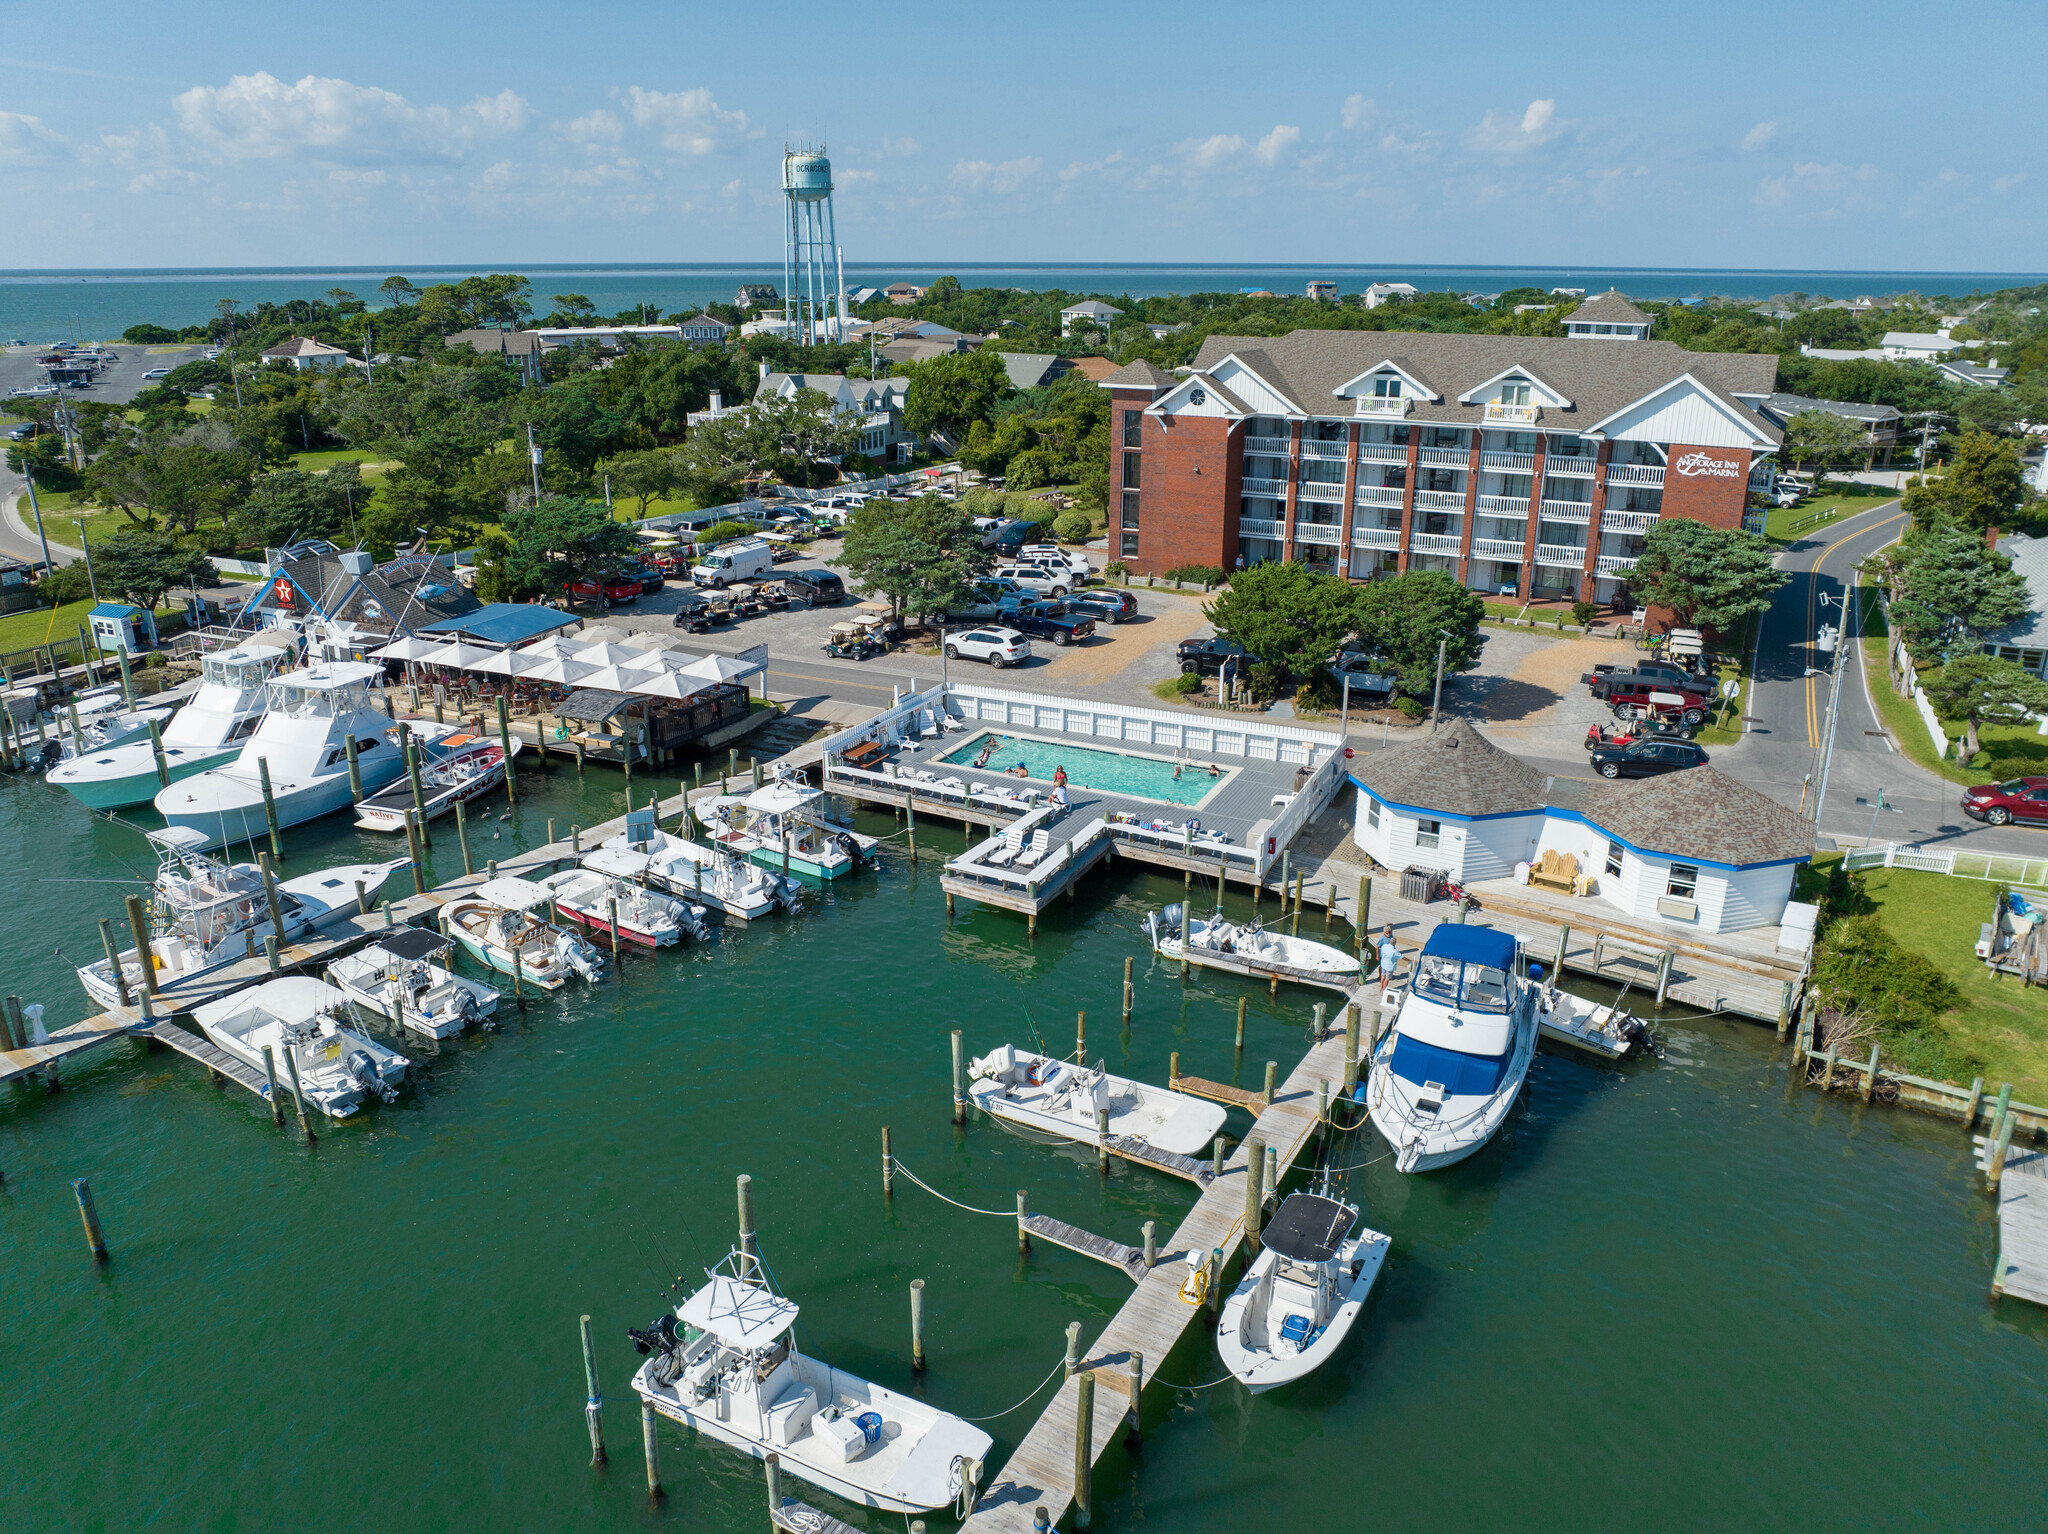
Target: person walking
x=1390, y=955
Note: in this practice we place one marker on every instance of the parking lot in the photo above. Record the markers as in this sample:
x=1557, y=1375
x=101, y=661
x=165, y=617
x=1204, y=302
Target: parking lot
x=120, y=382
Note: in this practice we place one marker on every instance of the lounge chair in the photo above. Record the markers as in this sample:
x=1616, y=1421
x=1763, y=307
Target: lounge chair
x=1006, y=854
x=1041, y=844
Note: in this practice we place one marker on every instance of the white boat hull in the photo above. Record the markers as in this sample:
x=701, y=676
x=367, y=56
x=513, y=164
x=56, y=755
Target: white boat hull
x=1240, y=949
x=126, y=775
x=1243, y=1338
x=1462, y=1125
x=1057, y=1103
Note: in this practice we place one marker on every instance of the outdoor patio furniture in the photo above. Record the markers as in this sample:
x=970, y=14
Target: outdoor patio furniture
x=1559, y=869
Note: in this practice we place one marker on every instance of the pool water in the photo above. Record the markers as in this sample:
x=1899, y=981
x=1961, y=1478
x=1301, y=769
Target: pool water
x=1112, y=772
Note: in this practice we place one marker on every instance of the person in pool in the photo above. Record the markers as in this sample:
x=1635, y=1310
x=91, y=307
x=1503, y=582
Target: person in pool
x=988, y=749
x=1018, y=771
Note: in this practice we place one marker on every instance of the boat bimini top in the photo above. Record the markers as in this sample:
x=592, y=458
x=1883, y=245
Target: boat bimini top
x=1308, y=1228
x=512, y=894
x=1465, y=967
x=745, y=1317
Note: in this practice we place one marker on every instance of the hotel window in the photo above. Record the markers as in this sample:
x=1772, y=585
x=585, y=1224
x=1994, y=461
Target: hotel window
x=1372, y=813
x=1134, y=428
x=1684, y=882
x=1514, y=392
x=1130, y=516
x=1131, y=470
x=1386, y=388
x=1614, y=858
x=1428, y=832
x=1130, y=545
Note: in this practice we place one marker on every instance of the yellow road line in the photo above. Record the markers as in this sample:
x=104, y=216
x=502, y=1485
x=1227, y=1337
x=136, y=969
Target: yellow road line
x=1813, y=619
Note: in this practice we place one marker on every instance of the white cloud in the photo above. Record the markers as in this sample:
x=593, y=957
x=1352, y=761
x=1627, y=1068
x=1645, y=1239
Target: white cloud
x=1212, y=150
x=1822, y=190
x=27, y=142
x=1110, y=164
x=688, y=122
x=1758, y=136
x=1537, y=118
x=1358, y=111
x=1506, y=136
x=1010, y=176
x=901, y=148
x=260, y=117
x=598, y=127
x=1276, y=143
x=2010, y=183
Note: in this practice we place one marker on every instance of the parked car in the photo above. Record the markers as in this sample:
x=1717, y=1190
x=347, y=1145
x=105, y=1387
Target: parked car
x=1647, y=758
x=1366, y=682
x=1602, y=679
x=1205, y=657
x=649, y=577
x=1036, y=579
x=1657, y=700
x=1009, y=536
x=1053, y=557
x=1106, y=604
x=987, y=599
x=2022, y=799
x=1047, y=620
x=156, y=373
x=742, y=559
x=1000, y=647
x=614, y=589
x=821, y=588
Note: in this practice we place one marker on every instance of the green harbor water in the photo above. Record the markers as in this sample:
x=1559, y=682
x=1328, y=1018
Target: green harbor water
x=1675, y=1295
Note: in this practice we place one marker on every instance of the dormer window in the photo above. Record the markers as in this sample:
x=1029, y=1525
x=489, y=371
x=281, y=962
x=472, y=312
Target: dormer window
x=1386, y=388
x=1514, y=392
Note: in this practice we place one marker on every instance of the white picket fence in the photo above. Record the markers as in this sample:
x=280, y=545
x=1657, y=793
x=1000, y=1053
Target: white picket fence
x=1992, y=867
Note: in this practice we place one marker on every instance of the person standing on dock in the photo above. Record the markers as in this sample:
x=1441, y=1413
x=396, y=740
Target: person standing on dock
x=1390, y=955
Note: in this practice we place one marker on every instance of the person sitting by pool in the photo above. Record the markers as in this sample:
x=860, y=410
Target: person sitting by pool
x=1059, y=777
x=1059, y=796
x=1018, y=771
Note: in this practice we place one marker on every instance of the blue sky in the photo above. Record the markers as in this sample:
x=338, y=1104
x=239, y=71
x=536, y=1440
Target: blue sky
x=1871, y=136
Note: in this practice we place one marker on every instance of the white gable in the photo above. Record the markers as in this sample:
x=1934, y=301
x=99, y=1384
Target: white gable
x=1194, y=396
x=1540, y=391
x=1362, y=384
x=1686, y=411
x=1258, y=395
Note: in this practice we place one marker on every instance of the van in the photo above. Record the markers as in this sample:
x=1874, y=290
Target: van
x=740, y=560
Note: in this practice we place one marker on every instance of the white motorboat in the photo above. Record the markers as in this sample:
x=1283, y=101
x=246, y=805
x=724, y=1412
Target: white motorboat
x=340, y=1067
x=1448, y=1071
x=1244, y=948
x=207, y=732
x=726, y=1363
x=1061, y=1098
x=785, y=816
x=1295, y=1304
x=96, y=720
x=1608, y=1032
x=656, y=921
x=303, y=740
x=715, y=877
x=397, y=977
x=468, y=767
x=205, y=912
x=499, y=924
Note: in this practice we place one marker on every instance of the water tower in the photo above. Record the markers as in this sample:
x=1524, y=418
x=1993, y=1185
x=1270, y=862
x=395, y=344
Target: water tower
x=812, y=269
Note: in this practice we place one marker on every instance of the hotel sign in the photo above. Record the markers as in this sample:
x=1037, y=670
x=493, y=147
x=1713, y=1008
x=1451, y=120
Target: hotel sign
x=1706, y=466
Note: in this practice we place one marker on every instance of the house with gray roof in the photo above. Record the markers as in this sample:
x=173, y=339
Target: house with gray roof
x=1881, y=425
x=1090, y=311
x=2025, y=639
x=1609, y=317
x=1030, y=370
x=1693, y=850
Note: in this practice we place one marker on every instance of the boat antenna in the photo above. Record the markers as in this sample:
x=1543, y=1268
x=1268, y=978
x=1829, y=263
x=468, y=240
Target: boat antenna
x=1037, y=1037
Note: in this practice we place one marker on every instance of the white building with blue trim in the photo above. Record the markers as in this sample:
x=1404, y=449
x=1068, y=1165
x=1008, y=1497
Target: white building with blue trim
x=1694, y=850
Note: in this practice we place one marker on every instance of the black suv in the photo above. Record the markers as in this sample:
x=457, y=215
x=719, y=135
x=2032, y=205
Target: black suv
x=1108, y=604
x=1647, y=758
x=1046, y=620
x=1205, y=657
x=821, y=587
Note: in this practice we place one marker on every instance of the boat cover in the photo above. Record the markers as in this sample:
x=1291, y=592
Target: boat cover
x=1307, y=1228
x=513, y=894
x=412, y=943
x=1471, y=945
x=740, y=1315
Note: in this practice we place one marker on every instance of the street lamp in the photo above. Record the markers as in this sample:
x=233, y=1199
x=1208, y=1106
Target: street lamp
x=1877, y=806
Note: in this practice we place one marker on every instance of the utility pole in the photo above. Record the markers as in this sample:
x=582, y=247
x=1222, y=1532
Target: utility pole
x=1842, y=640
x=28, y=475
x=1436, y=703
x=85, y=544
x=533, y=452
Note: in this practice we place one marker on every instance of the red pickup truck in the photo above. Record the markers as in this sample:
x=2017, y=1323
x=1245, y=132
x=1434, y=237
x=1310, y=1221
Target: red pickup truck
x=1655, y=700
x=615, y=589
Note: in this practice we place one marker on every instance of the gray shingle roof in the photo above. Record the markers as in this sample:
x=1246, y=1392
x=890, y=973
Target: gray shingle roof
x=1698, y=813
x=1027, y=370
x=1139, y=374
x=1308, y=365
x=1609, y=308
x=2030, y=558
x=1785, y=406
x=1456, y=771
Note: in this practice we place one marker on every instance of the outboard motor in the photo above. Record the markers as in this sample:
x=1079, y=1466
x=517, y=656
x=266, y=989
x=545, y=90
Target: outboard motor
x=659, y=1336
x=51, y=754
x=789, y=895
x=691, y=920
x=849, y=846
x=362, y=1070
x=1170, y=920
x=1637, y=1032
x=580, y=956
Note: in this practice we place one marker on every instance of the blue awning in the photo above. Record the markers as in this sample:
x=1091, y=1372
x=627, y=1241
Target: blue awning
x=1471, y=945
x=502, y=623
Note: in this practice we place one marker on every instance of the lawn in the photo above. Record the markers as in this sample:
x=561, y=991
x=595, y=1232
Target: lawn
x=1812, y=516
x=323, y=459
x=24, y=631
x=1724, y=725
x=626, y=508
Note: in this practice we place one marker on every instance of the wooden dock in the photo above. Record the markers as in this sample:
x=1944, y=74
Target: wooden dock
x=795, y=1517
x=1220, y=1092
x=224, y=1066
x=1145, y=1153
x=1127, y=1259
x=2022, y=1266
x=1040, y=1473
x=66, y=1042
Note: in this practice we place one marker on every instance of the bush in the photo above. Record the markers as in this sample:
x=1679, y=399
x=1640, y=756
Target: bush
x=1116, y=570
x=67, y=583
x=1197, y=575
x=1584, y=613
x=148, y=335
x=1408, y=708
x=719, y=532
x=2013, y=761
x=1187, y=682
x=1072, y=526
x=1863, y=969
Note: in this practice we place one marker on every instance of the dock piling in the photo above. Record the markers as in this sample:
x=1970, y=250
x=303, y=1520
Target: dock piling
x=1023, y=1214
x=1361, y=914
x=1994, y=1169
x=1599, y=952
x=1272, y=1081
x=1969, y=1110
x=1173, y=1071
x=505, y=745
x=1254, y=1191
x=888, y=1167
x=355, y=770
x=1322, y=1012
x=1870, y=1074
x=917, y=1325
x=270, y=951
x=156, y=750
x=462, y=837
x=1827, y=1070
x=415, y=833
x=1784, y=1010
x=362, y=898
x=650, y=1447
x=1999, y=1113
x=1081, y=1040
x=1073, y=1363
x=270, y=898
x=114, y=968
x=1151, y=1245
x=1127, y=988
x=959, y=1080
x=138, y=928
x=1295, y=931
x=576, y=840
x=1664, y=973
x=274, y=1098
x=1102, y=1141
x=1135, y=1389
x=291, y=1068
x=1322, y=1115
x=88, y=1213
x=269, y=808
x=1084, y=1452
x=1216, y=1158
x=593, y=1405
x=1564, y=937
x=771, y=1467
x=411, y=749
x=612, y=915
x=1240, y=1024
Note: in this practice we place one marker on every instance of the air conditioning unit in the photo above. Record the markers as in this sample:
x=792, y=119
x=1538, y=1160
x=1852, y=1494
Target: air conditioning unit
x=357, y=561
x=1678, y=910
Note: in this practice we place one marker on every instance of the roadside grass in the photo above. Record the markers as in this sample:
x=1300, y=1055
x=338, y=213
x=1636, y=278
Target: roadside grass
x=1724, y=724
x=320, y=460
x=25, y=631
x=1807, y=517
x=626, y=508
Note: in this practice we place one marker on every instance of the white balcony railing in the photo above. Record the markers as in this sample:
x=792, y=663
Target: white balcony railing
x=1574, y=466
x=1378, y=495
x=1272, y=489
x=1516, y=415
x=1627, y=521
x=1516, y=506
x=1635, y=474
x=1560, y=556
x=1318, y=532
x=1376, y=537
x=1445, y=457
x=1382, y=404
x=1327, y=491
x=1616, y=564
x=1433, y=543
x=1260, y=527
x=1440, y=500
x=1498, y=548
x=1577, y=512
x=1509, y=463
x=1382, y=452
x=1311, y=448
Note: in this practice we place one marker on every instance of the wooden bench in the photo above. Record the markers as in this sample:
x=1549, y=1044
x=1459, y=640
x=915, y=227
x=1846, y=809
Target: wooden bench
x=1558, y=868
x=867, y=755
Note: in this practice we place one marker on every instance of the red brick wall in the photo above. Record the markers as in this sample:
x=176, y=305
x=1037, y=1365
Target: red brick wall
x=1190, y=495
x=1715, y=489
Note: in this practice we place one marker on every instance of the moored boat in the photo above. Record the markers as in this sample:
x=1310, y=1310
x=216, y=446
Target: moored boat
x=592, y=898
x=781, y=826
x=466, y=767
x=714, y=877
x=1061, y=1098
x=397, y=977
x=499, y=925
x=1245, y=948
x=339, y=1067
x=1296, y=1302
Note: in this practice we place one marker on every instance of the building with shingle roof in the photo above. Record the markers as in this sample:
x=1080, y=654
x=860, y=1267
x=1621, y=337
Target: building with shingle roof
x=1608, y=317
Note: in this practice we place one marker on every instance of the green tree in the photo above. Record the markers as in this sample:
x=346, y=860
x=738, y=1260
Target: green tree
x=494, y=581
x=1948, y=590
x=922, y=554
x=1404, y=619
x=1982, y=486
x=1982, y=689
x=561, y=541
x=287, y=505
x=1291, y=618
x=949, y=394
x=143, y=566
x=647, y=475
x=1820, y=439
x=1709, y=577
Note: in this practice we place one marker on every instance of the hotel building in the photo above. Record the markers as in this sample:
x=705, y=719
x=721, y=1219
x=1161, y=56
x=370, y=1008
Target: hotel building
x=1516, y=463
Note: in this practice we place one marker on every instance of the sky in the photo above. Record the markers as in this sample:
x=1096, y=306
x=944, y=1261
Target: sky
x=1871, y=136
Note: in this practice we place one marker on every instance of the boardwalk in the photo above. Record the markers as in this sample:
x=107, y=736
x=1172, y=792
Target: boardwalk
x=1040, y=1472
x=2022, y=1269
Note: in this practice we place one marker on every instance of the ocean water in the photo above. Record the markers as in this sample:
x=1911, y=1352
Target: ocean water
x=44, y=306
x=1675, y=1295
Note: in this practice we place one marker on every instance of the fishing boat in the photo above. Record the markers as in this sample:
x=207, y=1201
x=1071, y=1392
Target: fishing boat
x=781, y=825
x=726, y=1363
x=467, y=767
x=1245, y=948
x=302, y=741
x=1609, y=1032
x=1061, y=1098
x=205, y=912
x=1295, y=1304
x=208, y=731
x=497, y=925
x=714, y=877
x=1450, y=1068
x=399, y=977
x=339, y=1066
x=97, y=719
x=656, y=921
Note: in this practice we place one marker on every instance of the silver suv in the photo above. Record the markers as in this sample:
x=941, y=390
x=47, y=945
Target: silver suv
x=1036, y=579
x=999, y=647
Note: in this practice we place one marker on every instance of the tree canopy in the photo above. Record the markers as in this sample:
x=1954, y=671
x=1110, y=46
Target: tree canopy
x=1295, y=619
x=143, y=566
x=1709, y=577
x=1982, y=486
x=1982, y=689
x=922, y=554
x=1948, y=590
x=1820, y=439
x=948, y=394
x=561, y=541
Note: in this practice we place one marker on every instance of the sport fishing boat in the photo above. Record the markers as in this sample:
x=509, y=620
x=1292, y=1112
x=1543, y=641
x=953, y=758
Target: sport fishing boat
x=303, y=739
x=469, y=767
x=755, y=827
x=1061, y=1098
x=1244, y=948
x=498, y=926
x=1448, y=1071
x=399, y=977
x=95, y=720
x=339, y=1066
x=726, y=1363
x=207, y=732
x=644, y=917
x=715, y=877
x=205, y=912
x=1295, y=1304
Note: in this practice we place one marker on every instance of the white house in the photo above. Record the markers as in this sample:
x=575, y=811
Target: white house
x=1091, y=311
x=1379, y=292
x=306, y=355
x=1916, y=346
x=704, y=330
x=1610, y=317
x=1694, y=849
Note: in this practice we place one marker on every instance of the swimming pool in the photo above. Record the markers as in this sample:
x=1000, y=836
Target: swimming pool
x=1113, y=772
